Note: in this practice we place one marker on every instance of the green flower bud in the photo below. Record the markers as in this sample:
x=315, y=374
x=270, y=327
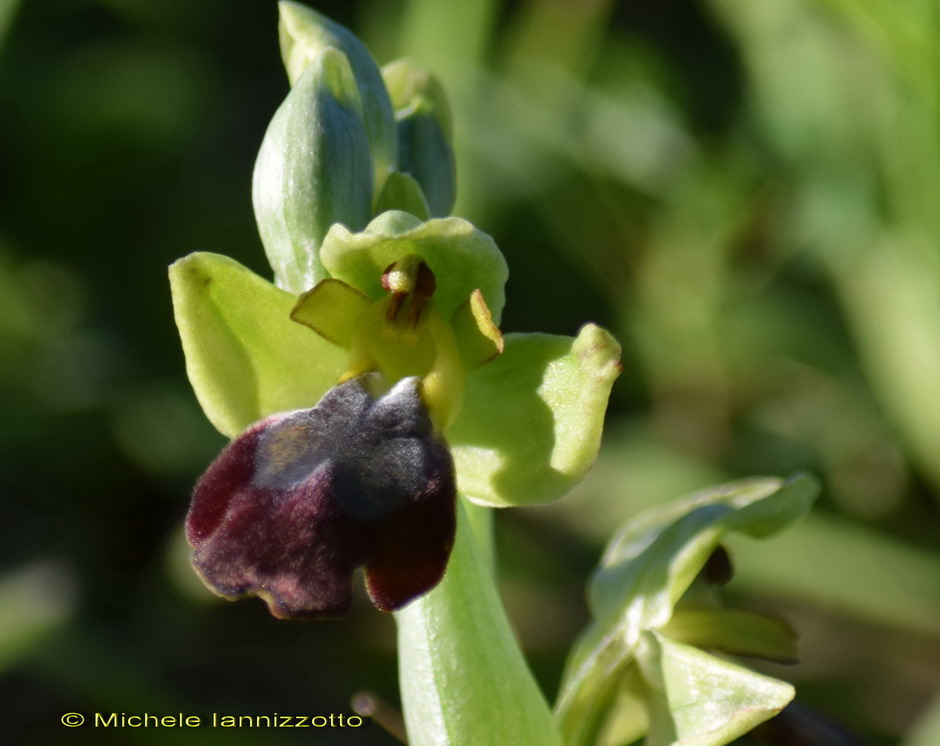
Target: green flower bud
x=424, y=133
x=313, y=170
x=304, y=34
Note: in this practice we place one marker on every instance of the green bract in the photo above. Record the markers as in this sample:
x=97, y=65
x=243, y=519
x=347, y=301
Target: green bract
x=530, y=421
x=642, y=599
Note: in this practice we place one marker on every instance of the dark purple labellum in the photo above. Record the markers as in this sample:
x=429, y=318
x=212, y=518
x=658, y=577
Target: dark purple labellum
x=300, y=499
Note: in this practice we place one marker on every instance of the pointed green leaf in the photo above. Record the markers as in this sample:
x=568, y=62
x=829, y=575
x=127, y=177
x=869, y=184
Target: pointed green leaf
x=304, y=34
x=463, y=678
x=332, y=309
x=531, y=421
x=244, y=356
x=402, y=192
x=462, y=258
x=700, y=700
x=424, y=132
x=313, y=170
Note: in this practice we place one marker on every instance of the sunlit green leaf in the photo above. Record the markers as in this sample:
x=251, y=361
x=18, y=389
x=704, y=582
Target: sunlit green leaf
x=244, y=356
x=531, y=421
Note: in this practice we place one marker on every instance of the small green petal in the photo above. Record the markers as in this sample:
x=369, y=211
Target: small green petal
x=332, y=310
x=402, y=192
x=304, y=34
x=462, y=258
x=244, y=356
x=478, y=338
x=313, y=170
x=700, y=700
x=531, y=421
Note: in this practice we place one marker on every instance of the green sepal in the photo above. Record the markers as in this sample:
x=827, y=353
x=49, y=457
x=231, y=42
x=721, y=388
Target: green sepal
x=531, y=421
x=645, y=570
x=422, y=115
x=478, y=338
x=313, y=170
x=244, y=356
x=462, y=258
x=304, y=34
x=402, y=192
x=332, y=309
x=696, y=699
x=463, y=677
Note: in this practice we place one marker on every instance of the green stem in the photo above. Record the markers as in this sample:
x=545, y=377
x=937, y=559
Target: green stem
x=463, y=676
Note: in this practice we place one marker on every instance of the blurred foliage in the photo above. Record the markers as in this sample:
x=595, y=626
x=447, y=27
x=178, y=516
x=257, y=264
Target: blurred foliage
x=744, y=193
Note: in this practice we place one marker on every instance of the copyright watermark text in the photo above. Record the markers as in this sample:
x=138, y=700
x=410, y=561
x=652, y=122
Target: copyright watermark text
x=211, y=720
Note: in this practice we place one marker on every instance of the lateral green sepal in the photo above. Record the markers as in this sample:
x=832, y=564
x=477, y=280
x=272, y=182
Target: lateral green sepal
x=531, y=422
x=244, y=356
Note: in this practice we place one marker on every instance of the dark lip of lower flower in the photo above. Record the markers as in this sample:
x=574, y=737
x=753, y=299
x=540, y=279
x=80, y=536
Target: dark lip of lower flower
x=298, y=501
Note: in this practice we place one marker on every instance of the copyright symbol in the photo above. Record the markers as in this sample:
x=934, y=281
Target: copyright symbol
x=72, y=719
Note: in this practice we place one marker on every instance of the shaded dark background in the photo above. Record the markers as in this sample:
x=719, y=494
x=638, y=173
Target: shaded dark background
x=744, y=197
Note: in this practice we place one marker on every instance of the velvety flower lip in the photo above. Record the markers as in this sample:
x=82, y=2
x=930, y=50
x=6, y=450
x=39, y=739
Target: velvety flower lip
x=292, y=506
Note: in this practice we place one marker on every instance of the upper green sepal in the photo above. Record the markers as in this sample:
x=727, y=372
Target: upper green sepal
x=425, y=150
x=245, y=358
x=313, y=170
x=304, y=34
x=531, y=422
x=462, y=258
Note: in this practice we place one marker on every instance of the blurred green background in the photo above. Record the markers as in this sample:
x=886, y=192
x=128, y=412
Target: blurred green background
x=746, y=193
